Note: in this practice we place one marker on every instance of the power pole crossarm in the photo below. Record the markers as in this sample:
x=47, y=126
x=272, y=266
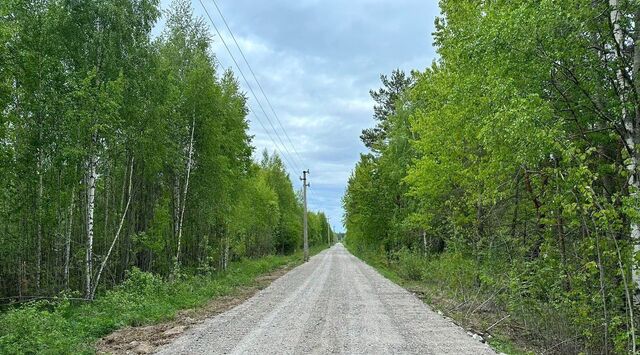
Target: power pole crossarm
x=304, y=218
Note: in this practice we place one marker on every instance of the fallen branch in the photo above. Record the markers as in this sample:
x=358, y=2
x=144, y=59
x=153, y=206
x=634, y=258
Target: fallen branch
x=487, y=300
x=23, y=299
x=560, y=343
x=496, y=323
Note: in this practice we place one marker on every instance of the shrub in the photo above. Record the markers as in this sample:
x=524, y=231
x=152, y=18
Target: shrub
x=141, y=283
x=410, y=265
x=37, y=328
x=451, y=271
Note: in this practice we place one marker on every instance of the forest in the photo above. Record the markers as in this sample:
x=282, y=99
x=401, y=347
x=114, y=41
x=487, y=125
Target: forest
x=122, y=149
x=505, y=174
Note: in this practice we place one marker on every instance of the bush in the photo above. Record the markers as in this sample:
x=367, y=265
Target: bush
x=410, y=265
x=141, y=283
x=451, y=271
x=37, y=328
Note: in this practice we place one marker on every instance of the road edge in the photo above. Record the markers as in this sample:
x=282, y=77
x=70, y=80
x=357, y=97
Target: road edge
x=392, y=276
x=148, y=338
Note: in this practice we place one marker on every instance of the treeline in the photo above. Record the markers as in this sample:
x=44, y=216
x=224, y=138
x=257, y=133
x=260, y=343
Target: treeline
x=119, y=149
x=508, y=169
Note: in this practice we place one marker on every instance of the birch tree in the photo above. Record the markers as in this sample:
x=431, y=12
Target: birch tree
x=628, y=89
x=183, y=203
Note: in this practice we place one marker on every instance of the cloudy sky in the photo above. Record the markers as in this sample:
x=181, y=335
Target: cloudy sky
x=316, y=61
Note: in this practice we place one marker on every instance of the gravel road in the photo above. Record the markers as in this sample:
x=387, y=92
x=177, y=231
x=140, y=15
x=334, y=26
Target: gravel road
x=335, y=303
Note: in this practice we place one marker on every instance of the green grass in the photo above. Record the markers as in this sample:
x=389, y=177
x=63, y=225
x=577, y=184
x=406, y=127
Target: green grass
x=505, y=345
x=64, y=327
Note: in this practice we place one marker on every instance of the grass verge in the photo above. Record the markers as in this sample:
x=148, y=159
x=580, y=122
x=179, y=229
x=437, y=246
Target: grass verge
x=63, y=327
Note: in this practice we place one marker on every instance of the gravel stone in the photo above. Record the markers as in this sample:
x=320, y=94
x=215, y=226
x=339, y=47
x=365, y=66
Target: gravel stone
x=143, y=348
x=175, y=330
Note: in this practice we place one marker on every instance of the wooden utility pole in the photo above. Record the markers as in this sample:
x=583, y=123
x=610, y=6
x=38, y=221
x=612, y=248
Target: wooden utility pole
x=304, y=218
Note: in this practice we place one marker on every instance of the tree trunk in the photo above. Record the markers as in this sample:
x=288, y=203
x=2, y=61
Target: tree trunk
x=23, y=285
x=67, y=241
x=514, y=220
x=91, y=196
x=203, y=251
x=107, y=194
x=115, y=238
x=424, y=242
x=535, y=249
x=635, y=229
x=225, y=259
x=631, y=131
x=39, y=225
x=184, y=194
x=176, y=205
x=605, y=311
x=563, y=250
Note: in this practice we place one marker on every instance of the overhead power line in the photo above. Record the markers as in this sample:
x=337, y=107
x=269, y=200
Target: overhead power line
x=252, y=112
x=287, y=158
x=215, y=3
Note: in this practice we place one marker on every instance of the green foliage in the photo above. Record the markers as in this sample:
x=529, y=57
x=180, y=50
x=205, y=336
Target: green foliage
x=410, y=266
x=453, y=272
x=39, y=328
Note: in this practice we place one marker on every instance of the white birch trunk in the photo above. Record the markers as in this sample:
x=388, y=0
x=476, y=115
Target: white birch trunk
x=631, y=136
x=635, y=229
x=225, y=260
x=67, y=241
x=115, y=238
x=91, y=196
x=184, y=194
x=424, y=242
x=107, y=191
x=176, y=205
x=39, y=226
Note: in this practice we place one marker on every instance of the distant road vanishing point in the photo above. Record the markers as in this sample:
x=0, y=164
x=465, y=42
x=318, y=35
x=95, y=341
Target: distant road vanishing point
x=335, y=303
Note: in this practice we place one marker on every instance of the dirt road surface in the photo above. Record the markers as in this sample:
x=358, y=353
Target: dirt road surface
x=335, y=303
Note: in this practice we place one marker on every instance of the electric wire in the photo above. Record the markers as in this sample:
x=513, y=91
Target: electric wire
x=252, y=112
x=215, y=3
x=250, y=88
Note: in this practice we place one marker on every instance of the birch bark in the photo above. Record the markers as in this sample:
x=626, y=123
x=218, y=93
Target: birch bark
x=67, y=241
x=424, y=243
x=225, y=259
x=39, y=217
x=630, y=123
x=91, y=197
x=115, y=238
x=184, y=194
